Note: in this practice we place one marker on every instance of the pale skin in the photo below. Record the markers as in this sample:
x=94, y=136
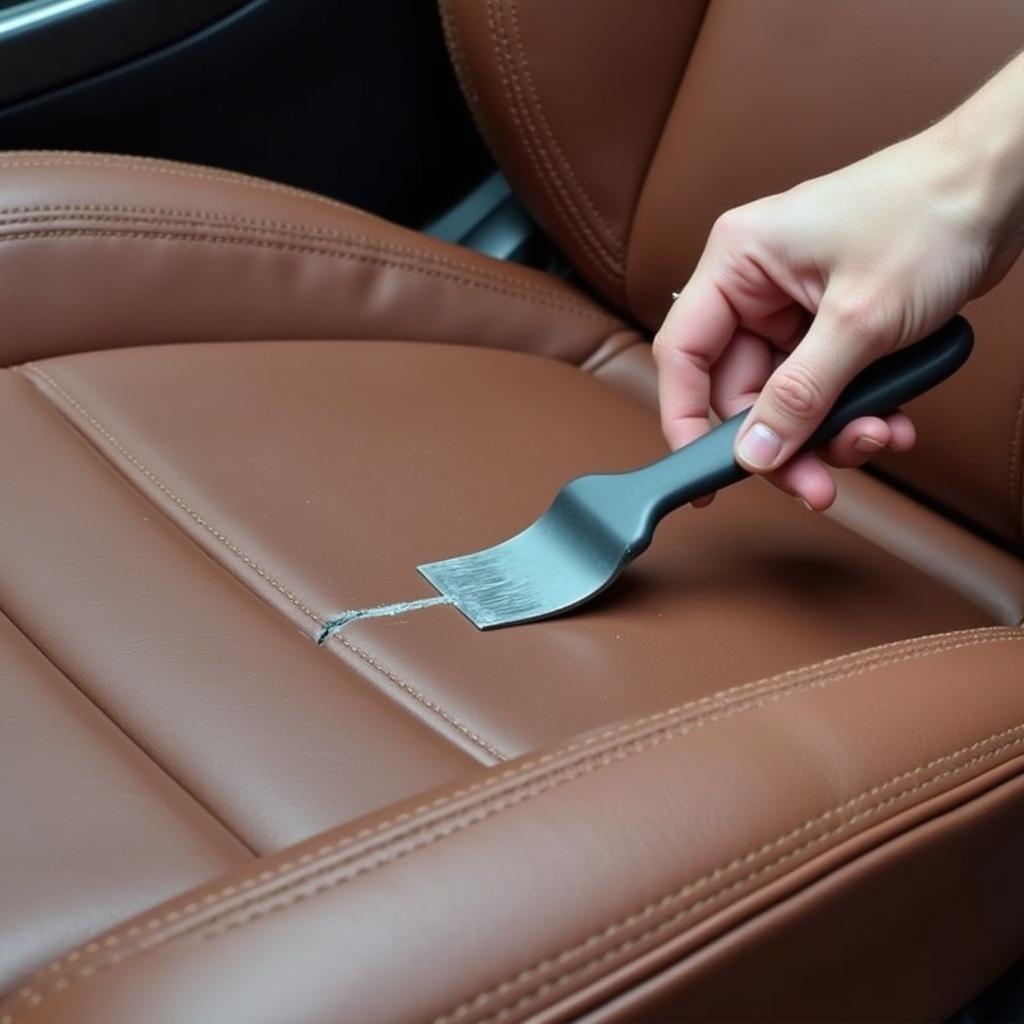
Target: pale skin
x=797, y=292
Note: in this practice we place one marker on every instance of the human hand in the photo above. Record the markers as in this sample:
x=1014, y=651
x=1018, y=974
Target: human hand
x=796, y=293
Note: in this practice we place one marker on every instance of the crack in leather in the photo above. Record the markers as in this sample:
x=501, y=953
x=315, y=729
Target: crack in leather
x=33, y=370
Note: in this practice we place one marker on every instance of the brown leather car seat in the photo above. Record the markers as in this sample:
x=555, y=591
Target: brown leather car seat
x=776, y=773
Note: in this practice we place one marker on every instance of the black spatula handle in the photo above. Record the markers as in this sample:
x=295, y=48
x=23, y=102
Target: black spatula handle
x=707, y=464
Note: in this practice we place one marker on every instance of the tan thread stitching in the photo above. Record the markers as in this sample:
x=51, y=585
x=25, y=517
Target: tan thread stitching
x=628, y=750
x=613, y=243
x=681, y=894
x=304, y=250
x=419, y=696
x=161, y=215
x=857, y=663
x=217, y=928
x=513, y=92
x=33, y=369
x=70, y=158
x=462, y=73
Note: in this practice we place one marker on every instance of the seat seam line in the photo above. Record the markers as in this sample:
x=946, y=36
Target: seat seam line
x=33, y=369
x=312, y=250
x=583, y=203
x=602, y=263
x=817, y=675
x=529, y=790
x=123, y=731
x=101, y=213
x=689, y=909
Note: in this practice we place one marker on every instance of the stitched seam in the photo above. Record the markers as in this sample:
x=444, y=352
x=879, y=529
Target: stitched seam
x=514, y=97
x=554, y=185
x=523, y=792
x=302, y=250
x=449, y=26
x=679, y=895
x=419, y=696
x=160, y=215
x=171, y=168
x=133, y=741
x=1016, y=502
x=285, y=899
x=611, y=240
x=968, y=638
x=34, y=370
x=976, y=637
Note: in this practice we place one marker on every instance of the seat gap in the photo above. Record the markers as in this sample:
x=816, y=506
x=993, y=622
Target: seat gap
x=123, y=731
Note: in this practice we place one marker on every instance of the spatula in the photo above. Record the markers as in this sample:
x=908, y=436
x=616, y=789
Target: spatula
x=599, y=523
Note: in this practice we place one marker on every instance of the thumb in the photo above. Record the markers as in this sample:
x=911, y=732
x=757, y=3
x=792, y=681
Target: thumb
x=841, y=341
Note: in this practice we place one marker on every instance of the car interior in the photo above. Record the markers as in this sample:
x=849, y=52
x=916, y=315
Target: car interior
x=298, y=295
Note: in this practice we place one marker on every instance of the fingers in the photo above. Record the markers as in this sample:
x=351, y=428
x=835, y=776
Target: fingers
x=799, y=393
x=869, y=435
x=807, y=477
x=696, y=330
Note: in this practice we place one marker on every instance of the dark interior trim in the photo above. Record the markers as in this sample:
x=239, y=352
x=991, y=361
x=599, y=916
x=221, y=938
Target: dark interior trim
x=46, y=43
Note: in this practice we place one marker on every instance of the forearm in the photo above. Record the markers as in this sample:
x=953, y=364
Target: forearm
x=984, y=137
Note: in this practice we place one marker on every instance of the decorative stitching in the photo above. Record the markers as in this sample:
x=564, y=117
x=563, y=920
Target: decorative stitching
x=301, y=250
x=171, y=168
x=526, y=792
x=863, y=661
x=681, y=894
x=583, y=235
x=162, y=215
x=450, y=29
x=32, y=369
x=419, y=696
x=615, y=244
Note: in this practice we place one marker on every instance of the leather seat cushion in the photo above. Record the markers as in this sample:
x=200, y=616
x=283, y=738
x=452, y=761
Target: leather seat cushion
x=182, y=519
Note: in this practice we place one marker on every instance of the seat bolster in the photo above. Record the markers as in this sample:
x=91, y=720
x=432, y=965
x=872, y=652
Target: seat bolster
x=582, y=878
x=98, y=251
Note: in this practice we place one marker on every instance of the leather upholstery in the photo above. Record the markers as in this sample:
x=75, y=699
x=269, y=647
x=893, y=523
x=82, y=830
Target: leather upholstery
x=843, y=839
x=241, y=410
x=769, y=94
x=200, y=254
x=575, y=135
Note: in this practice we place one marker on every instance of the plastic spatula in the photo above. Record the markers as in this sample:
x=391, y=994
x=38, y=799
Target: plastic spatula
x=599, y=523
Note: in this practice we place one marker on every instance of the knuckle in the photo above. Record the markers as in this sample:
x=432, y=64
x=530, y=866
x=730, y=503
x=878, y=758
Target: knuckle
x=731, y=225
x=859, y=315
x=797, y=393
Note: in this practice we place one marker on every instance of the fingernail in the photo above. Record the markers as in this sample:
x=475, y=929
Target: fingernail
x=759, y=447
x=867, y=445
x=806, y=504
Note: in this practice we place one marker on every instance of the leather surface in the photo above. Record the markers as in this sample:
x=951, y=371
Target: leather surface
x=221, y=691
x=181, y=519
x=794, y=797
x=337, y=468
x=572, y=97
x=98, y=251
x=94, y=830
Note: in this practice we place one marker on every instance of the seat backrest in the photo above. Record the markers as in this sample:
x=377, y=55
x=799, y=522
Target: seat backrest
x=627, y=127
